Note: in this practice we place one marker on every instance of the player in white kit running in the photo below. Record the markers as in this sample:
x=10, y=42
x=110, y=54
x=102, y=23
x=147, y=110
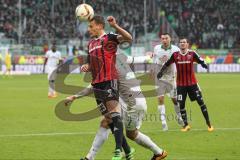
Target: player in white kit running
x=167, y=84
x=52, y=60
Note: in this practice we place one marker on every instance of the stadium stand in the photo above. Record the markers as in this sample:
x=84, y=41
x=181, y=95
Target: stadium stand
x=205, y=22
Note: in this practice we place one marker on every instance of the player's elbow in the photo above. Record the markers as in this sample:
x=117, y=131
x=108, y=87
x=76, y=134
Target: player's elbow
x=130, y=38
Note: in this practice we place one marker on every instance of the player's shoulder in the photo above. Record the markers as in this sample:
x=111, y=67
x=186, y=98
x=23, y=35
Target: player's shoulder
x=90, y=41
x=192, y=51
x=175, y=48
x=49, y=52
x=175, y=53
x=111, y=34
x=158, y=47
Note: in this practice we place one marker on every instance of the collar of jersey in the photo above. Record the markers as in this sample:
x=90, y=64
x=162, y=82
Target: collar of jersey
x=101, y=36
x=184, y=53
x=170, y=47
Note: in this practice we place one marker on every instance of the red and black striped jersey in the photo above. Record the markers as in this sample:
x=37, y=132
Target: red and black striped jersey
x=185, y=68
x=102, y=58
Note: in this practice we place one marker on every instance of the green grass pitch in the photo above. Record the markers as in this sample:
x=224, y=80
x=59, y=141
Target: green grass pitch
x=29, y=128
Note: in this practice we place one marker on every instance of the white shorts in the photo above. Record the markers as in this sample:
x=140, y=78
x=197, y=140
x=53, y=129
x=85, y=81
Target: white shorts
x=163, y=87
x=132, y=119
x=52, y=73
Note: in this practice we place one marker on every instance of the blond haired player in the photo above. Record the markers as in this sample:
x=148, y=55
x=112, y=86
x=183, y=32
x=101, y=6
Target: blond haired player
x=52, y=60
x=167, y=84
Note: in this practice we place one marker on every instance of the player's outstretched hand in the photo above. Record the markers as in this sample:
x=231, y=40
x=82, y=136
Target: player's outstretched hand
x=69, y=100
x=159, y=75
x=112, y=21
x=204, y=65
x=150, y=54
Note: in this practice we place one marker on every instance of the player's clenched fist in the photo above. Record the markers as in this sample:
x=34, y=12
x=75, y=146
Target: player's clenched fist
x=112, y=21
x=69, y=100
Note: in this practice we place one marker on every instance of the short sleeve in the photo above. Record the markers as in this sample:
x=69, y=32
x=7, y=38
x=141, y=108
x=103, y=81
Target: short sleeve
x=176, y=49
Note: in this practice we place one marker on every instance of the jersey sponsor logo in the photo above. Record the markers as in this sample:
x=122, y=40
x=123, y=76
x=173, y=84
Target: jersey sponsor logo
x=111, y=46
x=184, y=62
x=96, y=47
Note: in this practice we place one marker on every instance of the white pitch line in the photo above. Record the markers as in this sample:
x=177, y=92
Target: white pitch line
x=197, y=129
x=47, y=134
x=92, y=133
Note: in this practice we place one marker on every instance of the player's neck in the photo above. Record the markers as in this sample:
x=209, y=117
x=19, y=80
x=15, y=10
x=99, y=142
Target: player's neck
x=184, y=51
x=101, y=33
x=166, y=46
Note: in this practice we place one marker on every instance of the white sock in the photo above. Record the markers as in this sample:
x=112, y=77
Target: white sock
x=51, y=87
x=146, y=142
x=161, y=109
x=100, y=138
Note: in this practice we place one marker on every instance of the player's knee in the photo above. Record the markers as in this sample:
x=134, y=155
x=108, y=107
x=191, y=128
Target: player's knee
x=181, y=105
x=161, y=100
x=51, y=81
x=200, y=101
x=104, y=123
x=174, y=100
x=116, y=117
x=132, y=134
x=113, y=106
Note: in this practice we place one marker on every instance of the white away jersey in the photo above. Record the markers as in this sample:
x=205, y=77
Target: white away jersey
x=53, y=58
x=161, y=55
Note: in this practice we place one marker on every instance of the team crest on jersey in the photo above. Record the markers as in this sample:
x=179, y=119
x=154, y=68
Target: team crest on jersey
x=111, y=46
x=189, y=57
x=163, y=59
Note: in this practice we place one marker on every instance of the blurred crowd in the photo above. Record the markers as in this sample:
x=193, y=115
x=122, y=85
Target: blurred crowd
x=52, y=19
x=208, y=23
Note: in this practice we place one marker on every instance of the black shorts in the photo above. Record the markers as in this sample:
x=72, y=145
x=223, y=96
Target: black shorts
x=193, y=92
x=104, y=92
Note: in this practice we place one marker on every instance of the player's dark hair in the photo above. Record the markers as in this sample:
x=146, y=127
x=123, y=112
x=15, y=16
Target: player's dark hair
x=166, y=34
x=184, y=38
x=98, y=20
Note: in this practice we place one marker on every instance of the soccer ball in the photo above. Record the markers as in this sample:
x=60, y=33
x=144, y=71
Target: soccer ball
x=84, y=12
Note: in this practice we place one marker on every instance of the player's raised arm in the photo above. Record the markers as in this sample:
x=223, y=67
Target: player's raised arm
x=199, y=60
x=123, y=34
